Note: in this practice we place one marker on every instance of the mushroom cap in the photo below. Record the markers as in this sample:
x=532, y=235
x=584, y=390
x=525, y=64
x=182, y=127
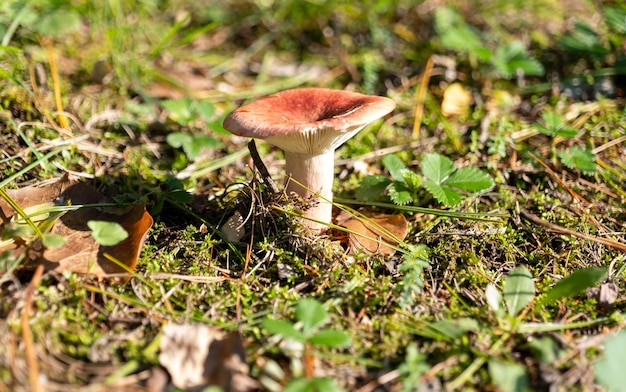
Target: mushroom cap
x=307, y=120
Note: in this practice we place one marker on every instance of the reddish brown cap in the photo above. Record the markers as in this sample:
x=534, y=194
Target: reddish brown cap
x=307, y=120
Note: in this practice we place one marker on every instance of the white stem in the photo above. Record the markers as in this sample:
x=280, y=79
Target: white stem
x=315, y=172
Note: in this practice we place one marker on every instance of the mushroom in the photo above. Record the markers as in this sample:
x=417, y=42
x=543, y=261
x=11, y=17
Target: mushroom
x=308, y=124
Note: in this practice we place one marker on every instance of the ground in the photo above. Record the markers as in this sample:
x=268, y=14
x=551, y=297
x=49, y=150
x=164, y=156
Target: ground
x=507, y=277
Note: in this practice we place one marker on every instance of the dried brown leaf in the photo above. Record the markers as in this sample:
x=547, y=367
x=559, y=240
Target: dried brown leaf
x=197, y=356
x=376, y=234
x=80, y=253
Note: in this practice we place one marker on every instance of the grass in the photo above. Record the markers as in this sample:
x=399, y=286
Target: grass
x=126, y=79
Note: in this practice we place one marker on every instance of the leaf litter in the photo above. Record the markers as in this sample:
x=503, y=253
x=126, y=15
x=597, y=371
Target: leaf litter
x=80, y=252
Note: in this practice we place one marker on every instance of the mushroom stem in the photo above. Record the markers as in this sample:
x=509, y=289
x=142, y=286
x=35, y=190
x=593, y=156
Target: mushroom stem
x=316, y=174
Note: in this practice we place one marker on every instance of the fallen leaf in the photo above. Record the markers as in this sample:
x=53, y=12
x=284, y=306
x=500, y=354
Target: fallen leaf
x=197, y=356
x=80, y=253
x=376, y=234
x=456, y=100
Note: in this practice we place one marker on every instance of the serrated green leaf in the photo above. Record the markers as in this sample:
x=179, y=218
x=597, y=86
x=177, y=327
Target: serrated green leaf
x=283, y=328
x=552, y=120
x=443, y=194
x=579, y=158
x=412, y=180
x=508, y=376
x=554, y=125
x=372, y=188
x=400, y=194
x=609, y=370
x=437, y=167
x=107, y=233
x=311, y=314
x=575, y=283
x=470, y=179
x=513, y=57
x=456, y=34
x=395, y=166
x=330, y=338
x=518, y=290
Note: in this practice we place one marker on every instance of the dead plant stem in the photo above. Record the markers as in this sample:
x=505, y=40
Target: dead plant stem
x=29, y=349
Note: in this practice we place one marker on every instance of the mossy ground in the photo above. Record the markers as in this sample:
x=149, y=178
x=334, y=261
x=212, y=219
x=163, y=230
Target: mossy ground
x=114, y=74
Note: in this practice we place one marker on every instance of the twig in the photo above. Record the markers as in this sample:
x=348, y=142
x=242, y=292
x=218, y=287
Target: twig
x=29, y=350
x=575, y=195
x=260, y=166
x=562, y=230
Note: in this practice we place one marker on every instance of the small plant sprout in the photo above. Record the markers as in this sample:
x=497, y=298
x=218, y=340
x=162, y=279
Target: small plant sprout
x=309, y=124
x=517, y=292
x=302, y=338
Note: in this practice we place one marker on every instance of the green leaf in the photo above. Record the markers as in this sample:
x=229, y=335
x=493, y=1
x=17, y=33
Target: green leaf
x=52, y=240
x=400, y=194
x=450, y=329
x=412, y=180
x=181, y=110
x=283, y=328
x=58, y=22
x=315, y=384
x=579, y=158
x=178, y=139
x=513, y=57
x=545, y=349
x=445, y=195
x=494, y=299
x=456, y=34
x=395, y=166
x=412, y=369
x=192, y=145
x=575, y=283
x=311, y=313
x=584, y=39
x=616, y=18
x=437, y=167
x=372, y=188
x=554, y=125
x=107, y=233
x=518, y=290
x=567, y=132
x=205, y=109
x=330, y=338
x=176, y=191
x=609, y=370
x=470, y=179
x=508, y=376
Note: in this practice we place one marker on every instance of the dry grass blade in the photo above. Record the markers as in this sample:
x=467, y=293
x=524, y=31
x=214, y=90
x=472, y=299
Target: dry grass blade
x=29, y=349
x=562, y=230
x=420, y=96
